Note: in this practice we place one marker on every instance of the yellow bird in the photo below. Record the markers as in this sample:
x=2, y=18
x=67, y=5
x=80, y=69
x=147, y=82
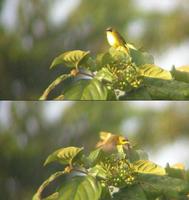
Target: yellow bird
x=116, y=40
x=109, y=142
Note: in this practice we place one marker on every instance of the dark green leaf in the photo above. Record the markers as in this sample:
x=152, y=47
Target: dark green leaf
x=175, y=173
x=141, y=58
x=119, y=55
x=103, y=59
x=105, y=195
x=134, y=192
x=64, y=155
x=95, y=156
x=167, y=89
x=137, y=94
x=158, y=185
x=87, y=62
x=135, y=155
x=81, y=188
x=142, y=155
x=70, y=58
x=132, y=155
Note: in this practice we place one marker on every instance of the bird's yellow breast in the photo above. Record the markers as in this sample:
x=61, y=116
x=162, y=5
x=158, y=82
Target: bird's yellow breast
x=111, y=39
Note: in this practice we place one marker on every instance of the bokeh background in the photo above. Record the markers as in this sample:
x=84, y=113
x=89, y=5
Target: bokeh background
x=30, y=131
x=33, y=32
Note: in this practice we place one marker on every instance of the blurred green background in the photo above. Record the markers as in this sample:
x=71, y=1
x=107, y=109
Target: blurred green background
x=33, y=32
x=30, y=131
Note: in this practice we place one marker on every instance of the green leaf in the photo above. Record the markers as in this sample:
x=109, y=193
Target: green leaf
x=64, y=155
x=81, y=188
x=87, y=62
x=135, y=155
x=183, y=68
x=103, y=59
x=153, y=71
x=137, y=94
x=181, y=73
x=134, y=192
x=53, y=196
x=163, y=185
x=142, y=155
x=118, y=55
x=141, y=58
x=70, y=58
x=105, y=195
x=175, y=173
x=132, y=155
x=148, y=167
x=98, y=171
x=105, y=74
x=167, y=89
x=86, y=89
x=95, y=156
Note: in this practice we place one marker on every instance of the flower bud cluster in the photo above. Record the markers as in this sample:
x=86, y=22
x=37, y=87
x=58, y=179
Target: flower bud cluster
x=120, y=173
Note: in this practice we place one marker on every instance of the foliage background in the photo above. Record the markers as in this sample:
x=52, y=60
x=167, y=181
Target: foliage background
x=30, y=131
x=32, y=33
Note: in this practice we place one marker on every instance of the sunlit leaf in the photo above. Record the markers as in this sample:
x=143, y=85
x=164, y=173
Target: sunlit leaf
x=148, y=167
x=183, y=68
x=70, y=58
x=154, y=71
x=181, y=73
x=81, y=188
x=64, y=155
x=53, y=196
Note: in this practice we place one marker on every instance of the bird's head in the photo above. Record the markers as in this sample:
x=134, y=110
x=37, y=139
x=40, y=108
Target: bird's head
x=122, y=140
x=109, y=29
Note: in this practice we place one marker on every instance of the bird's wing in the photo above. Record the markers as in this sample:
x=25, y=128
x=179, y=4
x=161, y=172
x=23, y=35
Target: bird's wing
x=121, y=39
x=105, y=135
